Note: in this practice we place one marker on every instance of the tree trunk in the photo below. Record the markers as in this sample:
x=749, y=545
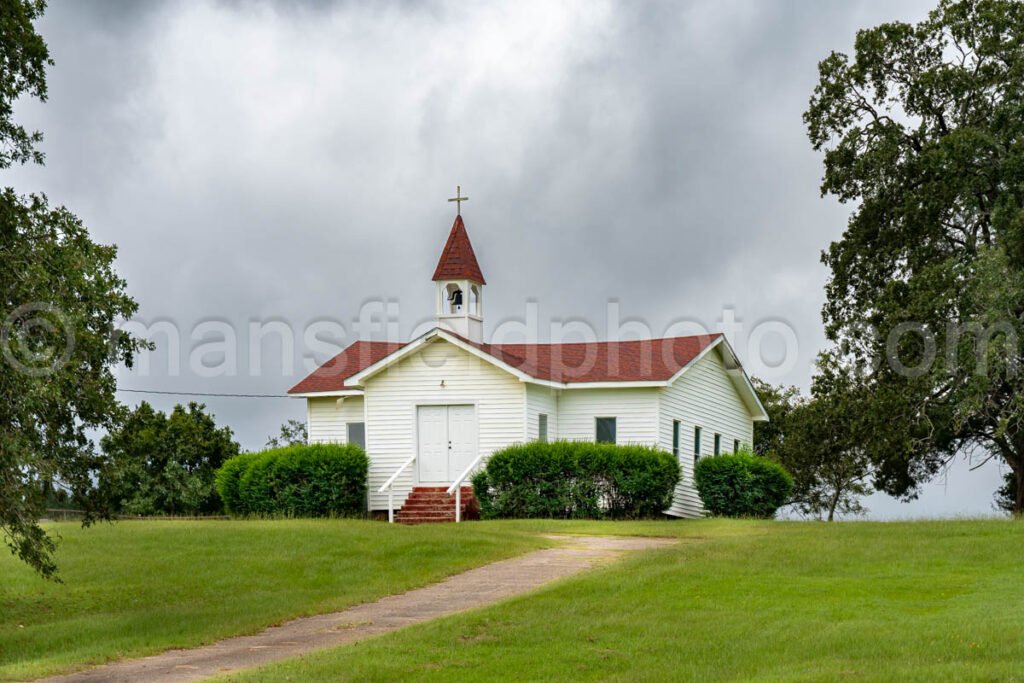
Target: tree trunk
x=1010, y=452
x=1018, y=500
x=833, y=503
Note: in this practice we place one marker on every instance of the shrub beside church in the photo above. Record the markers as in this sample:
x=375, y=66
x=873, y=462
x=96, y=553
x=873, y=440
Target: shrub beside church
x=318, y=480
x=576, y=480
x=742, y=485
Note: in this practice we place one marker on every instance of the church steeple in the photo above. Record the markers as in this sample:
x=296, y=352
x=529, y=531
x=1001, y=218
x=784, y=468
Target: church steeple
x=460, y=284
x=458, y=261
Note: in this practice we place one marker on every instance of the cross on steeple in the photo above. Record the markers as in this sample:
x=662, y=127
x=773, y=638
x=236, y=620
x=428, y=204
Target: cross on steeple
x=458, y=199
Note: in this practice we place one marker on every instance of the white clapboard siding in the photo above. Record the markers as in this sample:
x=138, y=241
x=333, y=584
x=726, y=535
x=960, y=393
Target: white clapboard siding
x=704, y=397
x=326, y=420
x=540, y=399
x=392, y=396
x=635, y=412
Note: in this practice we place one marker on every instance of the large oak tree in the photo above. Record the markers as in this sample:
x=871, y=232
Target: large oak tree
x=60, y=298
x=923, y=132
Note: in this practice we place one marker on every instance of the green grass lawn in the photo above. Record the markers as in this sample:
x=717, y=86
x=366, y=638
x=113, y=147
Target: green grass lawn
x=135, y=588
x=925, y=601
x=734, y=601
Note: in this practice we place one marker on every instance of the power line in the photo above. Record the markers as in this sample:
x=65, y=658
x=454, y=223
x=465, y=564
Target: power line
x=199, y=393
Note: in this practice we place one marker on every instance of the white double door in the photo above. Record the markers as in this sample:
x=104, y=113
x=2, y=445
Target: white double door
x=447, y=442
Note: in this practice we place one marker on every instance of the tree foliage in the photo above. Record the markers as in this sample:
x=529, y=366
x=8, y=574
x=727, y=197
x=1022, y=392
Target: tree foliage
x=820, y=439
x=923, y=128
x=292, y=433
x=779, y=402
x=1006, y=494
x=59, y=300
x=23, y=61
x=826, y=445
x=160, y=464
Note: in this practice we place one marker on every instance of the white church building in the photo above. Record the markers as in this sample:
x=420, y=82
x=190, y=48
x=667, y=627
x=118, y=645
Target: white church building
x=430, y=411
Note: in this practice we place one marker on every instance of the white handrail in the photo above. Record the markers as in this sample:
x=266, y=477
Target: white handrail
x=393, y=477
x=456, y=487
x=389, y=486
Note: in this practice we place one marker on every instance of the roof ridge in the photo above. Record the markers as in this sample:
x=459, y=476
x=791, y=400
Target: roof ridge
x=378, y=341
x=709, y=335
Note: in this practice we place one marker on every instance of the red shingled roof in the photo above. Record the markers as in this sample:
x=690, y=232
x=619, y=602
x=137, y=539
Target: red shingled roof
x=458, y=262
x=331, y=375
x=650, y=360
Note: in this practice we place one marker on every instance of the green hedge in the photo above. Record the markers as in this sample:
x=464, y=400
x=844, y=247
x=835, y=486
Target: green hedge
x=742, y=485
x=319, y=480
x=227, y=481
x=576, y=480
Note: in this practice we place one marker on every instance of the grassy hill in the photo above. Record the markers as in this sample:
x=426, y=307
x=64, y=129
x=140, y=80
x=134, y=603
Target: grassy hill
x=926, y=601
x=735, y=600
x=135, y=588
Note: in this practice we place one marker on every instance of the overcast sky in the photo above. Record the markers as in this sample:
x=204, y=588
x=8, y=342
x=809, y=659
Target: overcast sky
x=289, y=163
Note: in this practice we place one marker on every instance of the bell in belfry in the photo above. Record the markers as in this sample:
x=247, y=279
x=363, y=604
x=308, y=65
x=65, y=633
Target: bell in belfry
x=456, y=299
